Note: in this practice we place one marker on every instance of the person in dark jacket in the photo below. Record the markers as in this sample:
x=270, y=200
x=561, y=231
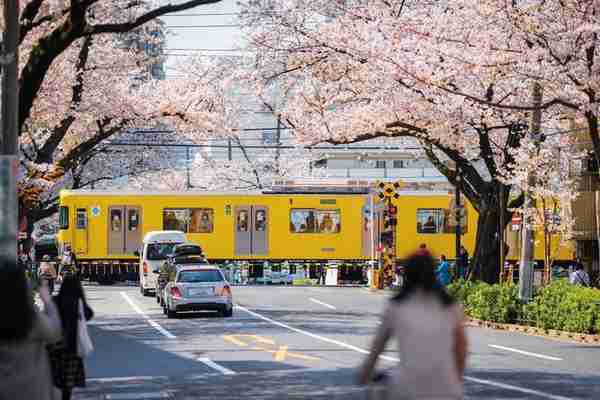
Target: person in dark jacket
x=24, y=334
x=68, y=368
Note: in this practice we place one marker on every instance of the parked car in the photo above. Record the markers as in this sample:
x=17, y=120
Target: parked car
x=182, y=254
x=198, y=288
x=156, y=248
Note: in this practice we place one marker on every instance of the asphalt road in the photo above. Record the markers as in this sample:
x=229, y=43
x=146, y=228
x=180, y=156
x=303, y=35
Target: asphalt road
x=298, y=343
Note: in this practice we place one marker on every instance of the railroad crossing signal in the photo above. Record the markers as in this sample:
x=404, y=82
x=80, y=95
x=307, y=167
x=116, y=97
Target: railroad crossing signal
x=388, y=190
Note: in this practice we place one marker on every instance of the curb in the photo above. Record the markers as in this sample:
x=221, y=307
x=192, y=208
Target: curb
x=534, y=331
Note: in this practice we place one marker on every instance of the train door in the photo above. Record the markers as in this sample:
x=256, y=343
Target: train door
x=124, y=229
x=372, y=215
x=133, y=230
x=81, y=231
x=251, y=230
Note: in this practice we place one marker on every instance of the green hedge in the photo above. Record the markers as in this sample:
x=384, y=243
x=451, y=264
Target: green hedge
x=559, y=306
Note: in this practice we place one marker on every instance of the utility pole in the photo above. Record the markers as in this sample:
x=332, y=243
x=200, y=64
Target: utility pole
x=459, y=214
x=188, y=183
x=278, y=144
x=501, y=232
x=526, y=271
x=9, y=210
x=229, y=150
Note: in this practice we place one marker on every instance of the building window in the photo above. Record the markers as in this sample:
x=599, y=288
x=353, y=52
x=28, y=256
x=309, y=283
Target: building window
x=189, y=220
x=269, y=137
x=380, y=164
x=398, y=164
x=315, y=221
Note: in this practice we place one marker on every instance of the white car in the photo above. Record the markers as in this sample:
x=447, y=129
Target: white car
x=156, y=247
x=198, y=288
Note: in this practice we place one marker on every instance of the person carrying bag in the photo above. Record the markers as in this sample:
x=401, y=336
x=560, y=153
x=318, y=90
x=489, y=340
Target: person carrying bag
x=67, y=355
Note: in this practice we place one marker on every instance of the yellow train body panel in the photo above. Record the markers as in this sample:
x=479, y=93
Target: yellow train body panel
x=94, y=223
x=220, y=242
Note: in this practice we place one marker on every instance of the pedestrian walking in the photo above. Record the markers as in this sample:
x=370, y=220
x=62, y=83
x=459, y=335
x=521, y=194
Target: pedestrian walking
x=47, y=272
x=579, y=276
x=68, y=261
x=24, y=334
x=442, y=272
x=67, y=355
x=463, y=262
x=428, y=328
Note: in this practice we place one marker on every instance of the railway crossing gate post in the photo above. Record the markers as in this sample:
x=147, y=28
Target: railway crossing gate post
x=387, y=192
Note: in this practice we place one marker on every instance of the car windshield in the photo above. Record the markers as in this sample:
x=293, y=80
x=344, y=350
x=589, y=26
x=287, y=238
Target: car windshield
x=160, y=251
x=189, y=259
x=200, y=276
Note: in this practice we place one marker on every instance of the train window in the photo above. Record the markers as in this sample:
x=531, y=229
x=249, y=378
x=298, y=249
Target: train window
x=81, y=221
x=175, y=219
x=260, y=220
x=328, y=221
x=302, y=221
x=430, y=220
x=115, y=220
x=63, y=217
x=242, y=221
x=201, y=220
x=133, y=220
x=315, y=221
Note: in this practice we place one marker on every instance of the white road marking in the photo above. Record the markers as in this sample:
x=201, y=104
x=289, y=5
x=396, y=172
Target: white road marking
x=388, y=358
x=527, y=353
x=321, y=303
x=137, y=396
x=152, y=323
x=215, y=366
x=118, y=379
x=518, y=389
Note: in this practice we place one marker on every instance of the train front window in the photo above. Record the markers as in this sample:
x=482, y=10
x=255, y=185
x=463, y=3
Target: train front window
x=63, y=217
x=81, y=218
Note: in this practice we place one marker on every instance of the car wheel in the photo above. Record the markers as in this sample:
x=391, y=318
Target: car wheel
x=171, y=313
x=228, y=312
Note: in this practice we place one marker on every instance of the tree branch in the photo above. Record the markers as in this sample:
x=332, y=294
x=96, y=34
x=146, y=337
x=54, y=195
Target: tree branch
x=149, y=16
x=45, y=154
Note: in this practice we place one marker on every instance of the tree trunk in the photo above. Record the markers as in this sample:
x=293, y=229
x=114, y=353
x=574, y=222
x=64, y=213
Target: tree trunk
x=486, y=259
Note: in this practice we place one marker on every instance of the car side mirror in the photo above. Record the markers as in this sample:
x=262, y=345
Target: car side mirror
x=136, y=253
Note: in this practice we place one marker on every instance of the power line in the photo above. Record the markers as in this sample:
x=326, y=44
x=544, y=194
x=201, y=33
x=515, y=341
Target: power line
x=203, y=26
x=200, y=14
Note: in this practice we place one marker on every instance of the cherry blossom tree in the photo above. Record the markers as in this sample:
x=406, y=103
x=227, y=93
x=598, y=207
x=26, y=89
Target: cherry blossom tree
x=457, y=76
x=79, y=85
x=241, y=174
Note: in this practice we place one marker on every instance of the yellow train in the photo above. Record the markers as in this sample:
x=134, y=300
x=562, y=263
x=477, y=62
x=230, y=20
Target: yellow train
x=105, y=228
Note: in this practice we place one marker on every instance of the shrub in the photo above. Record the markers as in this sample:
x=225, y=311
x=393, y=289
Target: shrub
x=562, y=306
x=461, y=290
x=496, y=303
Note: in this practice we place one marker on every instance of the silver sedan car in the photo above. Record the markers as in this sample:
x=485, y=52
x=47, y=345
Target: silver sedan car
x=198, y=288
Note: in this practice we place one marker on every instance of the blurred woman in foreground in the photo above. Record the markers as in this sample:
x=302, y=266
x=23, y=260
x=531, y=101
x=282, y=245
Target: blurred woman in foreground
x=24, y=334
x=428, y=328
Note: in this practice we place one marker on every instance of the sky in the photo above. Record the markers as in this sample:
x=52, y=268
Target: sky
x=205, y=30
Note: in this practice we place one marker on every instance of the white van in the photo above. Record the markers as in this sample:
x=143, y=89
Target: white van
x=157, y=245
